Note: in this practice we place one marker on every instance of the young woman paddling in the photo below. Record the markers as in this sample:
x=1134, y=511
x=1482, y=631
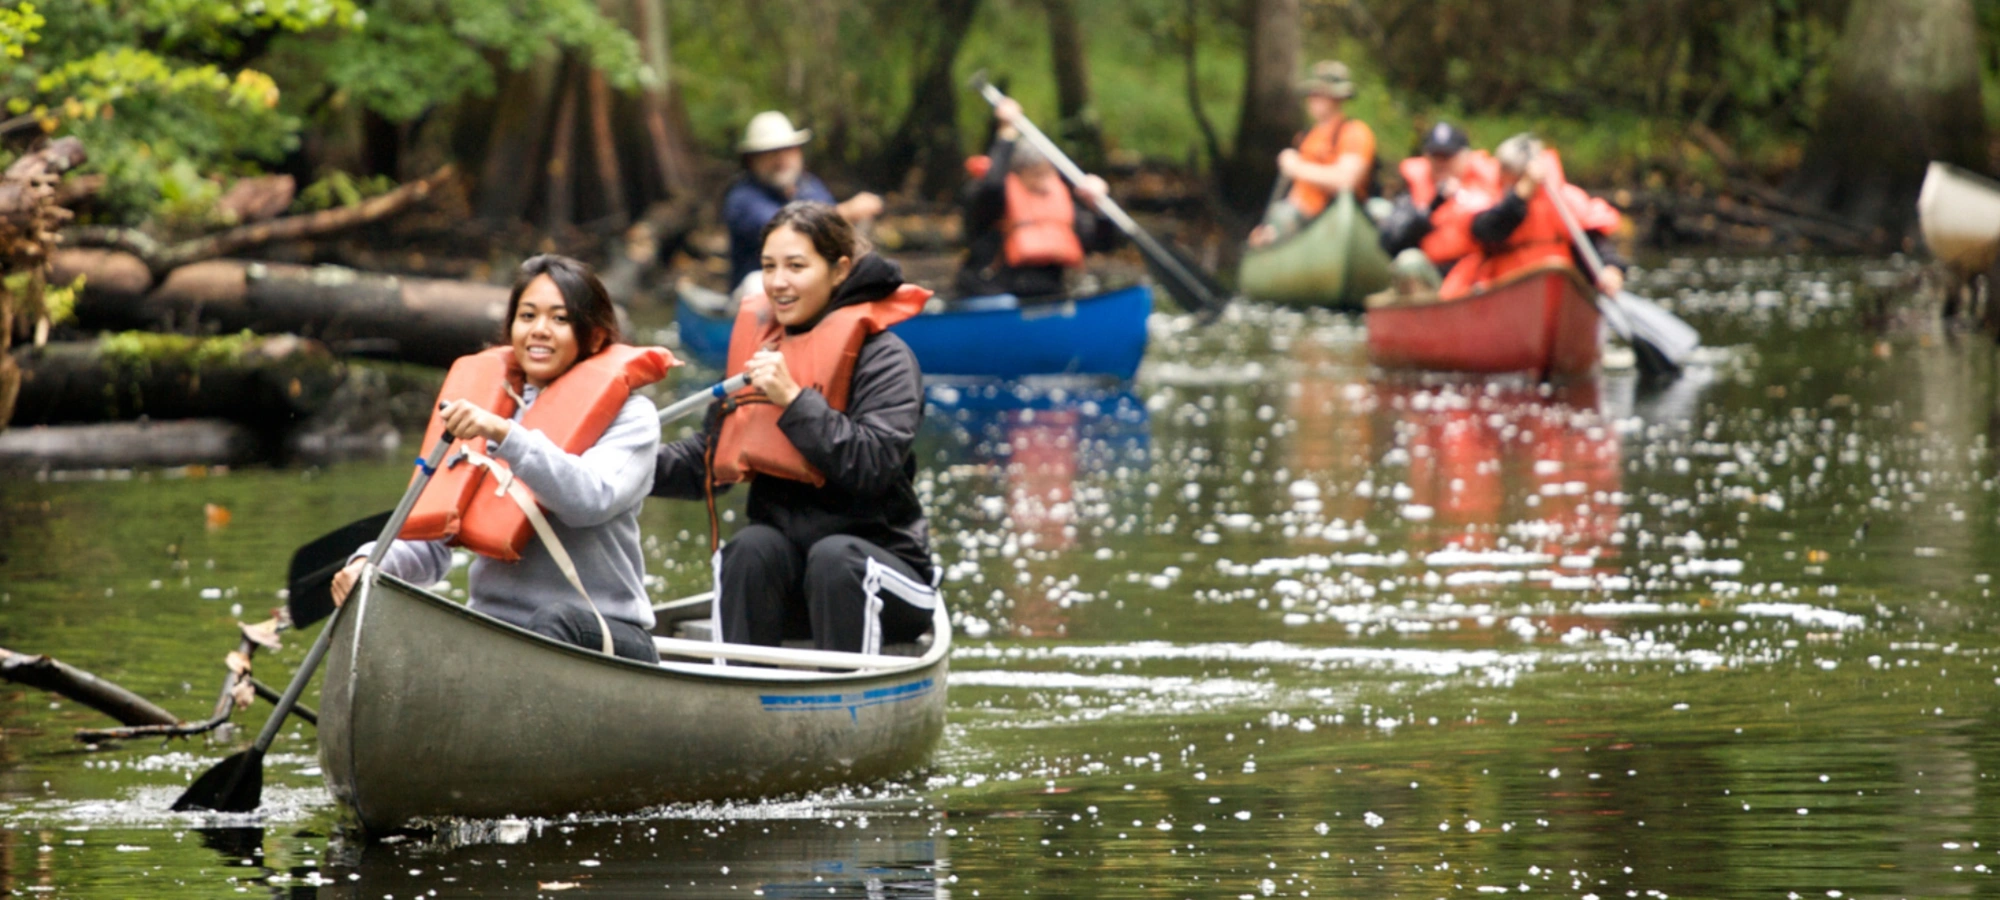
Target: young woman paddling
x=837, y=548
x=552, y=412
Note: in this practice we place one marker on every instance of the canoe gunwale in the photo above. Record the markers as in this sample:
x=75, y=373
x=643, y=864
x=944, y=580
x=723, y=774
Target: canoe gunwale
x=1393, y=300
x=939, y=649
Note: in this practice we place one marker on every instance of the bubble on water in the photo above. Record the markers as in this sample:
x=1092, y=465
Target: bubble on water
x=1371, y=819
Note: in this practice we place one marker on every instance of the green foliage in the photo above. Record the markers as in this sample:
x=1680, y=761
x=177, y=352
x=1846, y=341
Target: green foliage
x=413, y=55
x=338, y=188
x=139, y=350
x=18, y=30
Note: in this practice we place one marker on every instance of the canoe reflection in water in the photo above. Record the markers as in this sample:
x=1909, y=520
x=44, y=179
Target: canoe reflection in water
x=786, y=851
x=1041, y=439
x=1493, y=463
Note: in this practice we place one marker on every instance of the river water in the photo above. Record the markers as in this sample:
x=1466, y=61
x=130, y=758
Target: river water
x=1257, y=625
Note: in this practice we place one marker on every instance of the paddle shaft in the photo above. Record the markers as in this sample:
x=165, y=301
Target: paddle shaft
x=702, y=398
x=395, y=524
x=1074, y=175
x=1606, y=306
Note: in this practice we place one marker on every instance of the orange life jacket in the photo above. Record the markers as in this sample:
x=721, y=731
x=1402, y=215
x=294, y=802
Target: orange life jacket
x=462, y=502
x=821, y=358
x=1041, y=228
x=1542, y=238
x=1450, y=237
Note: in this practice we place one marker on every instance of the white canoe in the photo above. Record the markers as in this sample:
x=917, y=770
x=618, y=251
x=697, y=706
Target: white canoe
x=1960, y=215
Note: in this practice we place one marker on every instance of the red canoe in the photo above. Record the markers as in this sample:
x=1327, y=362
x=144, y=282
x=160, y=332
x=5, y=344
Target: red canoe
x=1540, y=320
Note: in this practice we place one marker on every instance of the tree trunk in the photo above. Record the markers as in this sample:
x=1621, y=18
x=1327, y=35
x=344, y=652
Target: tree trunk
x=665, y=115
x=1077, y=125
x=271, y=382
x=119, y=445
x=559, y=197
x=604, y=149
x=1904, y=90
x=514, y=145
x=419, y=320
x=1270, y=117
x=928, y=138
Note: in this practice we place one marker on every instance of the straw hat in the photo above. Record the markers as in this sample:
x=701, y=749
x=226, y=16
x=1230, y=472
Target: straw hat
x=1328, y=79
x=771, y=131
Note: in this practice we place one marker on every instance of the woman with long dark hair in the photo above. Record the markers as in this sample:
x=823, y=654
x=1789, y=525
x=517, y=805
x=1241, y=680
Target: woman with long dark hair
x=837, y=547
x=561, y=558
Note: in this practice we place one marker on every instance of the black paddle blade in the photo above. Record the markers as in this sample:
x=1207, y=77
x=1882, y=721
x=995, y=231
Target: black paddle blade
x=1203, y=295
x=310, y=579
x=235, y=784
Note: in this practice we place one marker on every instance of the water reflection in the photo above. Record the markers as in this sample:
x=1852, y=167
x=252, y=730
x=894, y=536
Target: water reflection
x=804, y=851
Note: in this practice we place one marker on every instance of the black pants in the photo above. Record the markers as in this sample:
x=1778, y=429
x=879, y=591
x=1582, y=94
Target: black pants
x=575, y=625
x=843, y=592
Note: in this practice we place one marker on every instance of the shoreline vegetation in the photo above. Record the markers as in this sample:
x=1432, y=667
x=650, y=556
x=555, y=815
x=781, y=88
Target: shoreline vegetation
x=183, y=167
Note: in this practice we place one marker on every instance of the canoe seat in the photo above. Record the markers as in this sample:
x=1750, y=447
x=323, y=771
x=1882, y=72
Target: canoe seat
x=699, y=630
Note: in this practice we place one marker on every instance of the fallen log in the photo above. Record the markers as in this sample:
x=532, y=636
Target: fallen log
x=265, y=382
x=161, y=259
x=121, y=445
x=419, y=320
x=57, y=677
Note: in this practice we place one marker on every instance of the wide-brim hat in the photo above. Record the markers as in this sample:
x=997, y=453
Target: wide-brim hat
x=771, y=131
x=1328, y=79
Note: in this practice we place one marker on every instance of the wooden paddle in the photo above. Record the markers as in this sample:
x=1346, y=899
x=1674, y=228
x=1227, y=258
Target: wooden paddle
x=237, y=784
x=1660, y=340
x=309, y=582
x=1195, y=290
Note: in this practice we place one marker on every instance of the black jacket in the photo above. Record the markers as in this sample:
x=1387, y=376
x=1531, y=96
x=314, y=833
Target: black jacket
x=984, y=203
x=865, y=453
x=1492, y=228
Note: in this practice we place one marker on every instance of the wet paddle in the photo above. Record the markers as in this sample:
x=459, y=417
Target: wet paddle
x=1194, y=289
x=309, y=583
x=1660, y=340
x=237, y=784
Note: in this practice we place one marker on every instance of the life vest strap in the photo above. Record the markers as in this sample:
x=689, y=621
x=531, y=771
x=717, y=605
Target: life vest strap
x=503, y=479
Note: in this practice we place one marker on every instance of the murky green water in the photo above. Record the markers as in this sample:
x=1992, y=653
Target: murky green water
x=1258, y=626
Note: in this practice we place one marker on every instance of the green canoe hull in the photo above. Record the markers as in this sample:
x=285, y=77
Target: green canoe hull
x=1335, y=261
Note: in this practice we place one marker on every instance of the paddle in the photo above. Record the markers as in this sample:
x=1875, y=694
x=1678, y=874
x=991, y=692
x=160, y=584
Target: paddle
x=1192, y=288
x=1660, y=340
x=237, y=784
x=309, y=582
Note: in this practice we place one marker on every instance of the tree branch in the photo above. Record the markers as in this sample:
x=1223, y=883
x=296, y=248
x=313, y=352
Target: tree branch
x=161, y=259
x=99, y=694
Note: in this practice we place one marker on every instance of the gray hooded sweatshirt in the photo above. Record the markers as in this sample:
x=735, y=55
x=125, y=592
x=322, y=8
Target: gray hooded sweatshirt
x=592, y=503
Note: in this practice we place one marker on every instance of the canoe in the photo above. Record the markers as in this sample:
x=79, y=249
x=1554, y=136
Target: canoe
x=432, y=710
x=1960, y=215
x=1335, y=261
x=1539, y=321
x=988, y=337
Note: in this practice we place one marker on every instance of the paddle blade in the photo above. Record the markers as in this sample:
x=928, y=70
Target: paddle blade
x=1189, y=284
x=235, y=784
x=309, y=582
x=1662, y=341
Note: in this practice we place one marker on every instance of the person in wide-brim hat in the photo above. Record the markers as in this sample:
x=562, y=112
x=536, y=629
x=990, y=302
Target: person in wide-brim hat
x=774, y=174
x=1328, y=78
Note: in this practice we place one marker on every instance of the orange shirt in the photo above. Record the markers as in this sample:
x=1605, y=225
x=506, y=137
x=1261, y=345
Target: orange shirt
x=1324, y=145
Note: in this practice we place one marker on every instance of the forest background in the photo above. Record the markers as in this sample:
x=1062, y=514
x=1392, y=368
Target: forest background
x=584, y=114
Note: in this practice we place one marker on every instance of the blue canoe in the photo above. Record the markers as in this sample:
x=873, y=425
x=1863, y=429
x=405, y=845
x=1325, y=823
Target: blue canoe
x=990, y=337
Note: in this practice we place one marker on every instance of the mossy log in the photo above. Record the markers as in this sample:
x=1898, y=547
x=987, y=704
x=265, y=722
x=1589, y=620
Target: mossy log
x=120, y=445
x=419, y=320
x=265, y=382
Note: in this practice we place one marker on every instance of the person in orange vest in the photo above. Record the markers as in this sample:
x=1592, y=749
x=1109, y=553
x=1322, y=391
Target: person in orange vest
x=1448, y=183
x=1026, y=230
x=1525, y=230
x=837, y=548
x=1337, y=154
x=581, y=571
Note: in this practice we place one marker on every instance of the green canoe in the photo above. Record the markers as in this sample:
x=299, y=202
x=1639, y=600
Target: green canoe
x=1335, y=261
